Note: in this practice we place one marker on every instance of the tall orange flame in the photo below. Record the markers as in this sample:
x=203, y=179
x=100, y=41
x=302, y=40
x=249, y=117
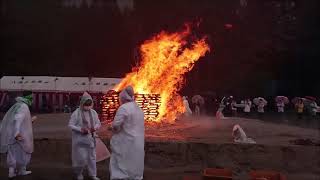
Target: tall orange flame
x=165, y=59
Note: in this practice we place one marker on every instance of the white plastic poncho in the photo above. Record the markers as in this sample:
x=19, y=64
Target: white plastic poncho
x=240, y=136
x=127, y=144
x=17, y=121
x=187, y=107
x=83, y=119
x=247, y=106
x=261, y=107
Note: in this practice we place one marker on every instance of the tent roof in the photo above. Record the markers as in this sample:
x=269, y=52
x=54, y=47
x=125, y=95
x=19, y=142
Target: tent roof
x=51, y=83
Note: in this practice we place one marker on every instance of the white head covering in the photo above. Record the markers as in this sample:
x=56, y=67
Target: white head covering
x=85, y=97
x=127, y=95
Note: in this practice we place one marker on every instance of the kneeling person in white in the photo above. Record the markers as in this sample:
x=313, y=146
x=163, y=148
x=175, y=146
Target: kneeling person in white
x=84, y=123
x=16, y=136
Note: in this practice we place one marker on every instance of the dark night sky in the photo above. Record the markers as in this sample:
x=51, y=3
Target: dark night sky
x=271, y=49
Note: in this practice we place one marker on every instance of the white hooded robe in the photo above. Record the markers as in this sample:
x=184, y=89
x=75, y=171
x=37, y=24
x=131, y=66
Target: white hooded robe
x=17, y=121
x=83, y=145
x=188, y=111
x=127, y=145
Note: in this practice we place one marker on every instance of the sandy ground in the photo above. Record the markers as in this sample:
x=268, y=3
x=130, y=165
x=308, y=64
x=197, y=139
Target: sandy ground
x=196, y=129
x=174, y=151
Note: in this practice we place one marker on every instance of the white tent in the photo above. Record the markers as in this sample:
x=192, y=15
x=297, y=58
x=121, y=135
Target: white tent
x=103, y=84
x=57, y=84
x=37, y=83
x=72, y=84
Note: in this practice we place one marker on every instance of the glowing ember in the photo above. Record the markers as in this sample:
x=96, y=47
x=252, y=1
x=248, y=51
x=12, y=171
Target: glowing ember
x=165, y=59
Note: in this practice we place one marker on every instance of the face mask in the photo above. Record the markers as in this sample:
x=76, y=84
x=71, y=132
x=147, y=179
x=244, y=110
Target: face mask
x=87, y=108
x=28, y=100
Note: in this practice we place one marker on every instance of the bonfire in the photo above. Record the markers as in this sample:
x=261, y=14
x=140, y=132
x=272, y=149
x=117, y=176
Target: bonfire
x=165, y=59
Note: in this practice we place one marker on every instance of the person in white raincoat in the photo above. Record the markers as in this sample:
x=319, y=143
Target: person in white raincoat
x=240, y=136
x=186, y=105
x=247, y=107
x=127, y=142
x=197, y=109
x=84, y=123
x=313, y=108
x=280, y=106
x=16, y=136
x=219, y=114
x=261, y=105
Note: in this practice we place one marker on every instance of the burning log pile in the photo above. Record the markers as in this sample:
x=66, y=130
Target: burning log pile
x=159, y=76
x=149, y=103
x=109, y=105
x=165, y=59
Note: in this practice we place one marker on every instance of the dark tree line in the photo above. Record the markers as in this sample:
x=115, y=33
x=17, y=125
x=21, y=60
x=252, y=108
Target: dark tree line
x=272, y=47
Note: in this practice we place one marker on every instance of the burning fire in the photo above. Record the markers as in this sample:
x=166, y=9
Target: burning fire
x=165, y=58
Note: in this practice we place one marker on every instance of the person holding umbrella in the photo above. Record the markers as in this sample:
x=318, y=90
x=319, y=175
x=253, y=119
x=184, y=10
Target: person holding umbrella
x=198, y=101
x=280, y=102
x=313, y=106
x=186, y=106
x=260, y=103
x=247, y=107
x=234, y=107
x=299, y=105
x=219, y=114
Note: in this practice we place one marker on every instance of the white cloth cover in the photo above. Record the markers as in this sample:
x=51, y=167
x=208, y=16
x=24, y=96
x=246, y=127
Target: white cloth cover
x=127, y=143
x=83, y=145
x=240, y=136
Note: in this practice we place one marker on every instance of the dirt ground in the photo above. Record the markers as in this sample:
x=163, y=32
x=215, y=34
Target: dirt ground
x=195, y=129
x=174, y=151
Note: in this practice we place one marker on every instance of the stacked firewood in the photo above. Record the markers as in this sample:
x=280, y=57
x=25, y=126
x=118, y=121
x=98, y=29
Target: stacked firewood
x=109, y=104
x=149, y=103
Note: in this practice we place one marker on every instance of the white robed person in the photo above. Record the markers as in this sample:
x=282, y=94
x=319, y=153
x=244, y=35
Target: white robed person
x=84, y=123
x=188, y=111
x=127, y=142
x=16, y=136
x=247, y=107
x=280, y=106
x=240, y=136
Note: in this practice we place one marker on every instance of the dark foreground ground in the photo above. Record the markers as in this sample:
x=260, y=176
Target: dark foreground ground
x=62, y=171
